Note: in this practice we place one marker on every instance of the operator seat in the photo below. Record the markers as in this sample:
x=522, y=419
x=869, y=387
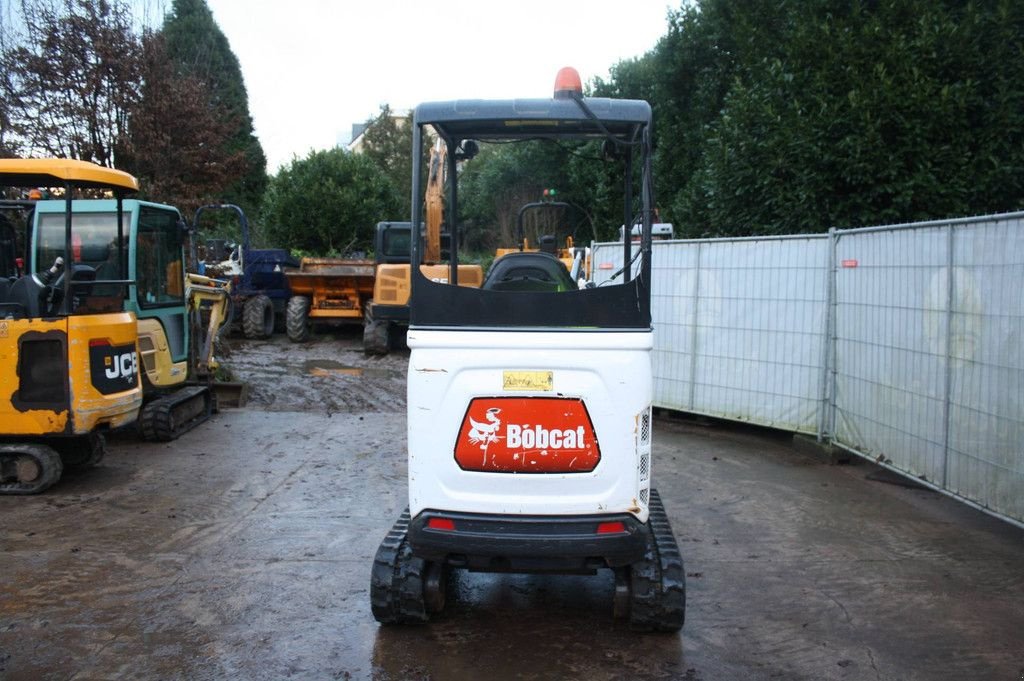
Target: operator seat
x=6, y=308
x=528, y=271
x=547, y=244
x=23, y=298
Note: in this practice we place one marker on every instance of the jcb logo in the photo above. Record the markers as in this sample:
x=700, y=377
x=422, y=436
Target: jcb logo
x=114, y=368
x=126, y=365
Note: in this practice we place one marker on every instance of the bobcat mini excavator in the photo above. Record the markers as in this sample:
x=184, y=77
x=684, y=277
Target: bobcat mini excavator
x=68, y=353
x=529, y=398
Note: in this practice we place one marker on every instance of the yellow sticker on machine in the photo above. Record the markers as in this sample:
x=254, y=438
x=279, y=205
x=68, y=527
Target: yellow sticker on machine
x=527, y=380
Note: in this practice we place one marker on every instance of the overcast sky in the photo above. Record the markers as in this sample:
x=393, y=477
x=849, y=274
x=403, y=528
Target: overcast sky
x=315, y=67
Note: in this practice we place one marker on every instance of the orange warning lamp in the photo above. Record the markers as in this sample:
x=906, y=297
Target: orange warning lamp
x=568, y=83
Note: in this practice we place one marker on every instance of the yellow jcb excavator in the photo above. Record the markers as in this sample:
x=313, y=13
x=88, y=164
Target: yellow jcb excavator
x=69, y=365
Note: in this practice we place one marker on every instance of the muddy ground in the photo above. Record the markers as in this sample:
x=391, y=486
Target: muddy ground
x=331, y=374
x=243, y=551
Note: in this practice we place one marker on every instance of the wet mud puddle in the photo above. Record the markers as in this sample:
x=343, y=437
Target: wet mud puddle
x=328, y=367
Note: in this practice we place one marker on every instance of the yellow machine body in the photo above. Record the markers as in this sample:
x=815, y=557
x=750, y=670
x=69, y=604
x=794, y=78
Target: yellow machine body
x=161, y=370
x=68, y=376
x=69, y=354
x=391, y=287
x=337, y=288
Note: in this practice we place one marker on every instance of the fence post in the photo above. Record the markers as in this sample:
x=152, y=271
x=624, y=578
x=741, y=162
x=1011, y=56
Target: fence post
x=693, y=333
x=948, y=379
x=826, y=415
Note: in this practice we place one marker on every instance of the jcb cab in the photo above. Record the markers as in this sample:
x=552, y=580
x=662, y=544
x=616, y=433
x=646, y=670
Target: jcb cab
x=69, y=364
x=529, y=397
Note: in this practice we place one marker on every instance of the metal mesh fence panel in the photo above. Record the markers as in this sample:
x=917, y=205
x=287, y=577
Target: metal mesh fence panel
x=904, y=344
x=739, y=326
x=929, y=361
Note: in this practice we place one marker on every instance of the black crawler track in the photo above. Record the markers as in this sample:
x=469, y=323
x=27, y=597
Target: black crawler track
x=396, y=582
x=166, y=418
x=28, y=468
x=658, y=582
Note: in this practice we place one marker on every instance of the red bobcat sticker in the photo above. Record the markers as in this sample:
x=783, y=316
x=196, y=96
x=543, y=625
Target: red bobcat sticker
x=527, y=435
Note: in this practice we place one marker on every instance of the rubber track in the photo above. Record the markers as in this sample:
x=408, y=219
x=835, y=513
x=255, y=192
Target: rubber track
x=396, y=581
x=658, y=588
x=157, y=422
x=47, y=458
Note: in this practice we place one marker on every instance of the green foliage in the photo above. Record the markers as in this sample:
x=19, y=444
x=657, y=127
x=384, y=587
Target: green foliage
x=328, y=203
x=796, y=117
x=503, y=177
x=387, y=141
x=200, y=49
x=177, y=138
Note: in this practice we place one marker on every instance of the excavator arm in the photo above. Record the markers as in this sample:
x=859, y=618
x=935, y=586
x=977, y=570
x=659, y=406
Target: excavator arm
x=215, y=296
x=435, y=203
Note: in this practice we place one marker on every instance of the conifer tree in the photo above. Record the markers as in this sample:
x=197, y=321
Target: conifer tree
x=200, y=49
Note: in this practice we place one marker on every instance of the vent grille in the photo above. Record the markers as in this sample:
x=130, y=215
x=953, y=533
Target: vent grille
x=643, y=457
x=42, y=372
x=148, y=351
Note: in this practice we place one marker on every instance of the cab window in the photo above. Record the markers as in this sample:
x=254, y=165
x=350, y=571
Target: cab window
x=159, y=271
x=93, y=242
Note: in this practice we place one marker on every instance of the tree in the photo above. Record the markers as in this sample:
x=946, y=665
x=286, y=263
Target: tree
x=177, y=137
x=795, y=117
x=387, y=141
x=504, y=177
x=69, y=84
x=200, y=49
x=328, y=203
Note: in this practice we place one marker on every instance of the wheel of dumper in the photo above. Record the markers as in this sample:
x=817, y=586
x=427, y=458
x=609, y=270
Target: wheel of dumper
x=258, y=318
x=28, y=468
x=298, y=319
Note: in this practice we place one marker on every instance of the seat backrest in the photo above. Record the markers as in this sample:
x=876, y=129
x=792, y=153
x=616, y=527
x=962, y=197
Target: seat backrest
x=7, y=309
x=528, y=271
x=23, y=297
